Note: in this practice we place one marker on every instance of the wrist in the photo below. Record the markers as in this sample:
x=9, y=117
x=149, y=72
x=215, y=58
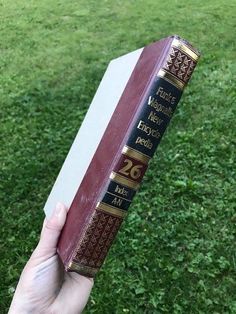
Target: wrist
x=19, y=305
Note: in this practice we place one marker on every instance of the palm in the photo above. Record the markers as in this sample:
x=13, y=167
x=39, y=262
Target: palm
x=44, y=286
x=46, y=277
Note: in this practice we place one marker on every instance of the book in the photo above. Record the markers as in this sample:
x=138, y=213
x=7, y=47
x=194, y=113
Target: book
x=115, y=143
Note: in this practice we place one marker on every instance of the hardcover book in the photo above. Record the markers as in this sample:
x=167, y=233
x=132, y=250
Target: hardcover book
x=111, y=152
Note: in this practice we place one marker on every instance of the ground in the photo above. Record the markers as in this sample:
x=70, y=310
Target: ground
x=175, y=252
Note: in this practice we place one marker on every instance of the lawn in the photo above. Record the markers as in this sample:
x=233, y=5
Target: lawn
x=175, y=252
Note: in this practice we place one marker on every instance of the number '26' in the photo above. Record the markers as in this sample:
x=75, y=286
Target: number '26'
x=130, y=170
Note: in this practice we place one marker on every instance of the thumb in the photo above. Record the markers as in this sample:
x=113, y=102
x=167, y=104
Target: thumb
x=51, y=231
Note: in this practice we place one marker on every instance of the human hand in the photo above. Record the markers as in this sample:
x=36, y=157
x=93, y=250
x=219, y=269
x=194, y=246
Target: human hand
x=44, y=287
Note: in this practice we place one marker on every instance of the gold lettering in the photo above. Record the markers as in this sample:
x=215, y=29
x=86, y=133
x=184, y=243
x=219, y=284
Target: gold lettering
x=148, y=130
x=165, y=95
x=131, y=170
x=121, y=191
x=117, y=201
x=154, y=118
x=146, y=143
x=168, y=111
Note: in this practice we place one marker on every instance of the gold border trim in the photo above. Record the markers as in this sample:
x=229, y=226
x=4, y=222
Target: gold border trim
x=171, y=79
x=122, y=180
x=183, y=47
x=111, y=210
x=82, y=269
x=133, y=153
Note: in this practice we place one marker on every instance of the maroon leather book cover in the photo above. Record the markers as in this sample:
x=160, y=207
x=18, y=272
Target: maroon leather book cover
x=134, y=130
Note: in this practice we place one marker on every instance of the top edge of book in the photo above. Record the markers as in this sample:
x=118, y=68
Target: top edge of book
x=177, y=42
x=185, y=45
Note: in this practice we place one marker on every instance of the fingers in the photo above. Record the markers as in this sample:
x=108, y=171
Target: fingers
x=51, y=231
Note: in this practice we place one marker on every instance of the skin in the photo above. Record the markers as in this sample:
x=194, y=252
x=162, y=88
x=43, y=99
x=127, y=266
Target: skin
x=44, y=286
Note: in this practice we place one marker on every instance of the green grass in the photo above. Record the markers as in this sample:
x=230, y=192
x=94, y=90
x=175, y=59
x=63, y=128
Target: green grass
x=176, y=250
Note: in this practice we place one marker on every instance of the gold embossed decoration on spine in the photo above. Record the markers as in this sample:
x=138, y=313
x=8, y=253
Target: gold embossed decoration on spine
x=82, y=269
x=179, y=64
x=186, y=48
x=139, y=146
x=128, y=151
x=122, y=180
x=95, y=243
x=171, y=79
x=111, y=209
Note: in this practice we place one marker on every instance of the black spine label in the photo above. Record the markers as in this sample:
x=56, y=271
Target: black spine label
x=147, y=131
x=157, y=110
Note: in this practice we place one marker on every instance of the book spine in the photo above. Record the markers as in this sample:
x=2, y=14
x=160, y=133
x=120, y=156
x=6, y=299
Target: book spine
x=139, y=145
